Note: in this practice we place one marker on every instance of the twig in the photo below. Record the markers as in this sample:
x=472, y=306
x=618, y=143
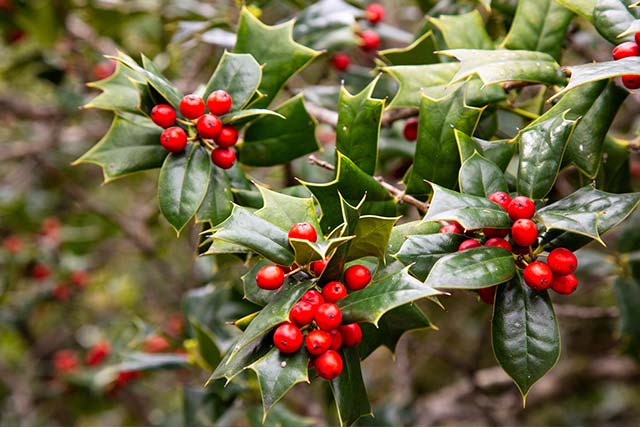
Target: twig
x=391, y=116
x=321, y=114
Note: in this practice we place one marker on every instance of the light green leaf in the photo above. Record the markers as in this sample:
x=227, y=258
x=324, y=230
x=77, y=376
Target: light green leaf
x=499, y=152
x=462, y=31
x=420, y=52
x=237, y=73
x=372, y=235
x=119, y=93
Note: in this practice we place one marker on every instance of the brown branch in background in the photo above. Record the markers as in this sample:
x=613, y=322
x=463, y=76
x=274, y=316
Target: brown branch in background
x=391, y=116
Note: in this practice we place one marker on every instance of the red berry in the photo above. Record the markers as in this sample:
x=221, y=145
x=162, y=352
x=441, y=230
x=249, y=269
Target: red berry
x=228, y=136
x=357, y=277
x=209, y=126
x=410, y=130
x=468, y=244
x=317, y=267
x=625, y=50
x=270, y=277
x=173, y=139
x=375, y=13
x=40, y=272
x=336, y=339
x=163, y=115
x=314, y=298
x=192, y=107
x=351, y=334
x=369, y=40
x=334, y=291
x=302, y=313
x=318, y=342
x=328, y=365
x=65, y=361
x=637, y=38
x=495, y=232
x=125, y=377
x=488, y=295
x=564, y=284
x=521, y=207
x=562, y=261
x=631, y=81
x=61, y=292
x=80, y=278
x=524, y=232
x=328, y=316
x=98, y=353
x=498, y=242
x=501, y=198
x=12, y=244
x=538, y=275
x=104, y=69
x=303, y=231
x=219, y=102
x=156, y=344
x=340, y=61
x=223, y=157
x=287, y=338
x=450, y=228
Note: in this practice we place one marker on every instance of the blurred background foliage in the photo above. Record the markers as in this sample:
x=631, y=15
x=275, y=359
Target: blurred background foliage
x=89, y=268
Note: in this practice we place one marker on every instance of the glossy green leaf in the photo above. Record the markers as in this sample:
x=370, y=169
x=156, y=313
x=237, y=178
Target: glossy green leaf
x=358, y=127
x=612, y=18
x=251, y=290
x=497, y=66
x=348, y=389
x=274, y=48
x=202, y=406
x=239, y=117
x=524, y=333
x=138, y=361
x=237, y=73
x=499, y=152
x=131, y=145
x=283, y=210
x=182, y=185
x=421, y=252
x=633, y=28
x=119, y=93
x=472, y=212
x=271, y=140
x=372, y=302
x=420, y=52
x=627, y=293
x=539, y=25
x=229, y=367
x=372, y=235
x=588, y=73
x=277, y=373
x=306, y=251
x=614, y=175
x=466, y=30
x=400, y=233
x=472, y=269
x=481, y=177
x=583, y=8
x=207, y=347
x=218, y=201
x=542, y=145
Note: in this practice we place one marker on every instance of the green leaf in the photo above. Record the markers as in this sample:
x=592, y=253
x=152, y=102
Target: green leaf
x=633, y=28
x=436, y=158
x=242, y=116
x=358, y=127
x=182, y=185
x=420, y=253
x=583, y=8
x=277, y=373
x=118, y=92
x=203, y=406
x=272, y=141
x=252, y=292
x=462, y=31
x=284, y=211
x=472, y=269
x=131, y=145
x=230, y=367
x=481, y=177
x=539, y=25
x=274, y=48
x=218, y=201
x=542, y=145
x=372, y=235
x=400, y=233
x=372, y=302
x=472, y=212
x=237, y=73
x=627, y=293
x=327, y=24
x=588, y=73
x=499, y=152
x=207, y=347
x=614, y=175
x=421, y=51
x=524, y=333
x=495, y=66
x=306, y=251
x=348, y=389
x=138, y=361
x=612, y=18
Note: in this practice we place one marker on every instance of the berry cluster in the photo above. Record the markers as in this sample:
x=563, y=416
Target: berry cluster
x=625, y=50
x=522, y=240
x=315, y=320
x=208, y=126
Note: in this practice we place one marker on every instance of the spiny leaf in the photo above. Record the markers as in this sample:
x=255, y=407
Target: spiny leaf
x=348, y=389
x=421, y=252
x=499, y=151
x=466, y=30
x=481, y=177
x=237, y=73
x=420, y=52
x=119, y=93
x=588, y=73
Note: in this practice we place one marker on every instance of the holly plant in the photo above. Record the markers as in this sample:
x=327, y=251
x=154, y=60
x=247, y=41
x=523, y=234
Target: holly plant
x=513, y=169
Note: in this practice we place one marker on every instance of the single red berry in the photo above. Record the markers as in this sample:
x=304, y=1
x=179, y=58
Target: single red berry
x=219, y=102
x=487, y=295
x=524, y=232
x=336, y=339
x=287, y=338
x=468, y=244
x=98, y=353
x=12, y=244
x=450, y=228
x=163, y=115
x=495, y=232
x=318, y=342
x=302, y=313
x=369, y=40
x=410, y=130
x=270, y=277
x=498, y=242
x=340, y=61
x=40, y=272
x=637, y=38
x=357, y=277
x=334, y=291
x=192, y=107
x=317, y=267
x=328, y=316
x=375, y=13
x=228, y=136
x=61, y=292
x=501, y=198
x=156, y=344
x=209, y=126
x=521, y=207
x=564, y=284
x=173, y=139
x=538, y=275
x=303, y=231
x=631, y=81
x=625, y=50
x=125, y=377
x=562, y=261
x=328, y=365
x=80, y=278
x=65, y=361
x=314, y=298
x=104, y=69
x=351, y=334
x=223, y=157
